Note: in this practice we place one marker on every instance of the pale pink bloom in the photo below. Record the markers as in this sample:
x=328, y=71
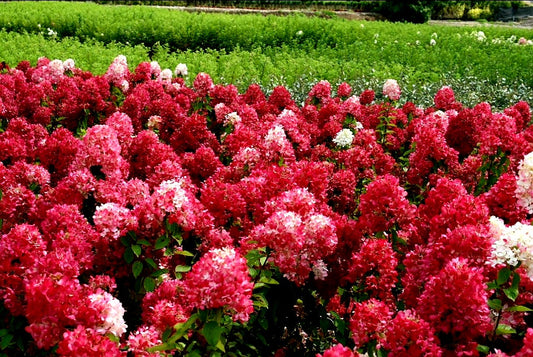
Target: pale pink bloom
x=181, y=70
x=391, y=89
x=111, y=313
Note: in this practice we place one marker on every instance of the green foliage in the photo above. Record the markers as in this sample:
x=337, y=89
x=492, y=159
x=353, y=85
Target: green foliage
x=271, y=50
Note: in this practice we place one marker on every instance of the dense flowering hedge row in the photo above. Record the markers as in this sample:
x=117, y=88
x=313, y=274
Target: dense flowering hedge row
x=143, y=217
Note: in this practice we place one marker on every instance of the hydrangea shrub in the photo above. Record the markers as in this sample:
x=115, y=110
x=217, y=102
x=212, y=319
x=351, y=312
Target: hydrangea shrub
x=142, y=216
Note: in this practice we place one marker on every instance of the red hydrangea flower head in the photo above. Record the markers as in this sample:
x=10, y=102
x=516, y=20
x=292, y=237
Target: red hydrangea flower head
x=22, y=249
x=521, y=112
x=409, y=336
x=502, y=200
x=385, y=204
x=367, y=97
x=344, y=90
x=321, y=92
x=280, y=98
x=338, y=351
x=455, y=302
x=202, y=84
x=527, y=348
x=164, y=307
x=445, y=98
x=369, y=321
x=373, y=268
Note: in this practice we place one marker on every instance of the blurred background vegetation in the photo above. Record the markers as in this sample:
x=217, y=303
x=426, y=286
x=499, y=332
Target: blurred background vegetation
x=396, y=10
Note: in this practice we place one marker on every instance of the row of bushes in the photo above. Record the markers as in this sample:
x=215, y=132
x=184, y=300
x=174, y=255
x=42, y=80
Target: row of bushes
x=422, y=10
x=398, y=10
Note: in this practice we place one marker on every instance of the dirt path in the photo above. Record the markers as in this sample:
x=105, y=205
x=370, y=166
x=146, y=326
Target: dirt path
x=350, y=15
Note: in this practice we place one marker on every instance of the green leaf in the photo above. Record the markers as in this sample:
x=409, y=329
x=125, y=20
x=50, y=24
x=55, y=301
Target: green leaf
x=184, y=253
x=151, y=263
x=259, y=301
x=166, y=334
x=137, y=268
x=143, y=242
x=495, y=304
x=503, y=276
x=125, y=241
x=512, y=292
x=6, y=341
x=182, y=268
x=520, y=308
x=161, y=242
x=483, y=349
x=149, y=284
x=268, y=281
x=220, y=345
x=128, y=255
x=212, y=332
x=503, y=329
x=136, y=249
x=492, y=285
x=159, y=272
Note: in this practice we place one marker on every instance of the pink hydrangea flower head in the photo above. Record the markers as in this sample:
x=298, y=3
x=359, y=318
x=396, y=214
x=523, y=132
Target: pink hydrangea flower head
x=101, y=153
x=391, y=89
x=118, y=71
x=88, y=343
x=220, y=279
x=111, y=313
x=142, y=339
x=113, y=221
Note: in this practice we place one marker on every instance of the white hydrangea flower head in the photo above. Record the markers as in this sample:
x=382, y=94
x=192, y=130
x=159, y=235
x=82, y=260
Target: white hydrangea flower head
x=181, y=70
x=166, y=75
x=512, y=245
x=69, y=64
x=344, y=138
x=524, y=182
x=232, y=119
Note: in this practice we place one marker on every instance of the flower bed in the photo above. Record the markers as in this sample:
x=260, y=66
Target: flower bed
x=142, y=216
